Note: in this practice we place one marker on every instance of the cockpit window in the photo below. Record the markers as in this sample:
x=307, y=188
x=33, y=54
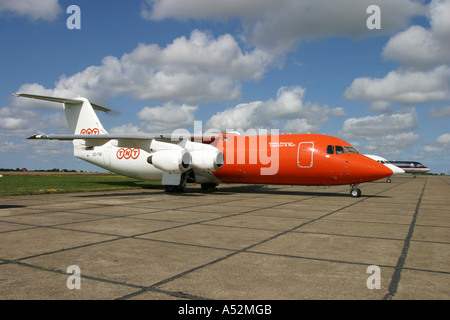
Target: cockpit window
x=330, y=149
x=351, y=149
x=340, y=150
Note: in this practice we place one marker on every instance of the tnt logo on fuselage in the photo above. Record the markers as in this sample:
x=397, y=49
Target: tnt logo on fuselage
x=127, y=153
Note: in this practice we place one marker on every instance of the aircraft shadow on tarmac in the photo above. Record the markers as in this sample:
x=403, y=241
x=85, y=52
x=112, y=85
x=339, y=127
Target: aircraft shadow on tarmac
x=195, y=191
x=10, y=206
x=263, y=189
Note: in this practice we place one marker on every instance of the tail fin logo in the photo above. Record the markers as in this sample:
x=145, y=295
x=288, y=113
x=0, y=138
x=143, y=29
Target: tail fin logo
x=90, y=131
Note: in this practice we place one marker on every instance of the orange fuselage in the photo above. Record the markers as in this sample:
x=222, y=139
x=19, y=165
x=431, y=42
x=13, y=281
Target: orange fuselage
x=294, y=159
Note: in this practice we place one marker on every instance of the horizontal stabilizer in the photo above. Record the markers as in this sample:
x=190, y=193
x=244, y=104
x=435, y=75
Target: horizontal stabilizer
x=61, y=100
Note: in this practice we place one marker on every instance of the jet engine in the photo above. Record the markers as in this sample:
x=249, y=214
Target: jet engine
x=171, y=161
x=205, y=157
x=207, y=160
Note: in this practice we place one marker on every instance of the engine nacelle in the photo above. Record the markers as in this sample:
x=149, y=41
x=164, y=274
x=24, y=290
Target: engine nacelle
x=205, y=157
x=207, y=160
x=171, y=161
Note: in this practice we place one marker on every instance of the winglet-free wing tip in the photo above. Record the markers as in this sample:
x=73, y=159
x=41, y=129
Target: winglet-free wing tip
x=38, y=136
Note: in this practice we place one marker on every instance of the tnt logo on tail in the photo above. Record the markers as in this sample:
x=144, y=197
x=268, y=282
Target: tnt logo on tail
x=90, y=131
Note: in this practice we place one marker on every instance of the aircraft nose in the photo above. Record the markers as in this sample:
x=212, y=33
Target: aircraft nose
x=373, y=170
x=383, y=171
x=396, y=169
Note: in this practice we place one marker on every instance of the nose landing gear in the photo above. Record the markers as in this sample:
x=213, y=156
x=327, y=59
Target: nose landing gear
x=355, y=192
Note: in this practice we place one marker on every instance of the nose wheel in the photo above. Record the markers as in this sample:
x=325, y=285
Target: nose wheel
x=355, y=192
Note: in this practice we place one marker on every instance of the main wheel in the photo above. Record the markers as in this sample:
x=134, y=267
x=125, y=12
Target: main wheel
x=208, y=186
x=174, y=189
x=355, y=193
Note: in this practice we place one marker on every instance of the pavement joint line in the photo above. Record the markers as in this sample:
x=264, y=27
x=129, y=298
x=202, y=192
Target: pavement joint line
x=119, y=237
x=19, y=260
x=393, y=286
x=246, y=249
x=154, y=288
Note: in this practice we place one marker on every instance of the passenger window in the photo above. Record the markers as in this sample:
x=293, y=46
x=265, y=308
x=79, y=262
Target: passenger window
x=330, y=149
x=339, y=150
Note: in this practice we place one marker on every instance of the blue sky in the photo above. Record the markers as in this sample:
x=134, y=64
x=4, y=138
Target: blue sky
x=297, y=66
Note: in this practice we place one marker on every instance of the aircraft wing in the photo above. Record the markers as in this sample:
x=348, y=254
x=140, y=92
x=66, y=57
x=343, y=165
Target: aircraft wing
x=167, y=137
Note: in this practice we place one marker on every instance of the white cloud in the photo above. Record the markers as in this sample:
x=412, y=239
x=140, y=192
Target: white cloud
x=417, y=48
x=381, y=107
x=392, y=144
x=384, y=134
x=198, y=69
x=404, y=86
x=444, y=140
x=438, y=148
x=126, y=129
x=276, y=25
x=197, y=9
x=372, y=126
x=421, y=48
x=288, y=106
x=167, y=117
x=34, y=9
x=424, y=72
x=16, y=122
x=301, y=126
x=443, y=112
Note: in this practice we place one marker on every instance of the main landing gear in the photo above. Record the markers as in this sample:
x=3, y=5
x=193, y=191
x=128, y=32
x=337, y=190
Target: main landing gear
x=355, y=192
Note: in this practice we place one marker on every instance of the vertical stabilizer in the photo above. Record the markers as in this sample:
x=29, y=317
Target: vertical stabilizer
x=82, y=118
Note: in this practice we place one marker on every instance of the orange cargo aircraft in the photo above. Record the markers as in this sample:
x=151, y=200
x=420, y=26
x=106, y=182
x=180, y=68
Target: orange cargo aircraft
x=303, y=159
x=287, y=159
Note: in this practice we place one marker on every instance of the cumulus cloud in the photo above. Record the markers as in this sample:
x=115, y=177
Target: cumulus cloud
x=167, y=117
x=35, y=9
x=406, y=87
x=417, y=48
x=421, y=48
x=444, y=140
x=424, y=72
x=15, y=123
x=276, y=25
x=443, y=112
x=192, y=70
x=440, y=147
x=385, y=134
x=392, y=144
x=379, y=125
x=287, y=108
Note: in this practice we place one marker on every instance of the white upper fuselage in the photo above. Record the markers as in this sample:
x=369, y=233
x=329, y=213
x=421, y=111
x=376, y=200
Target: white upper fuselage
x=395, y=169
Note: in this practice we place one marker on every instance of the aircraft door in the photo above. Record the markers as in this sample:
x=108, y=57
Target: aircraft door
x=107, y=155
x=305, y=154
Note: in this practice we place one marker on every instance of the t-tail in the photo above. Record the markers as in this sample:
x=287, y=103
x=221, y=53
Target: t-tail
x=80, y=113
